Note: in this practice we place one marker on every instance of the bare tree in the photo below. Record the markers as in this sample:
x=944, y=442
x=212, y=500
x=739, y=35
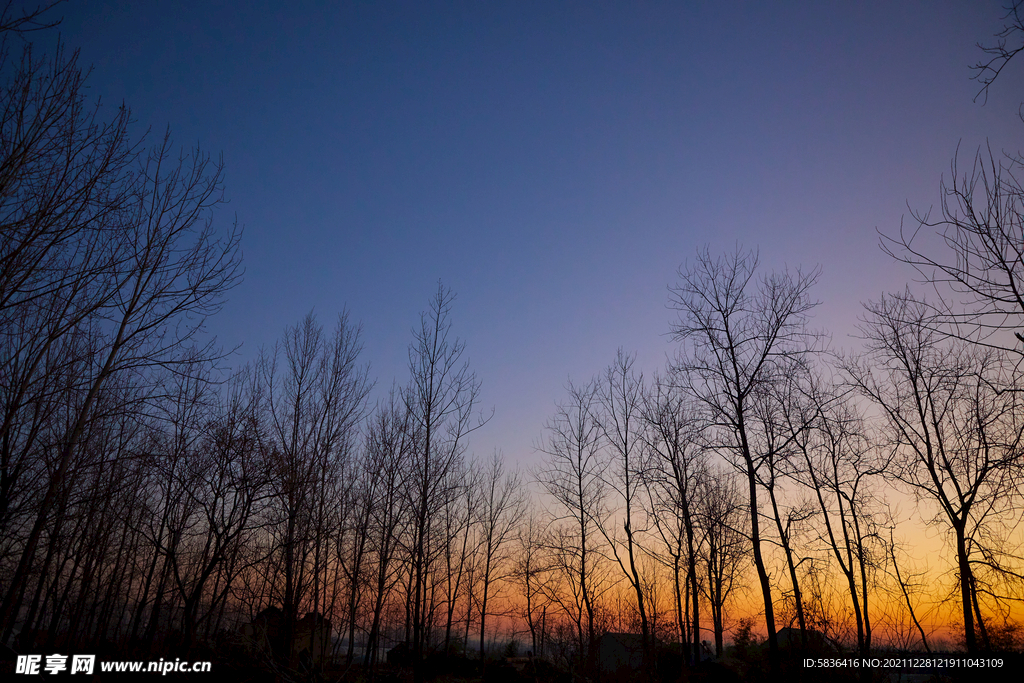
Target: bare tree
x=389, y=445
x=838, y=464
x=675, y=475
x=725, y=542
x=183, y=416
x=777, y=429
x=531, y=569
x=460, y=520
x=350, y=522
x=956, y=433
x=573, y=477
x=109, y=266
x=973, y=254
x=440, y=400
x=316, y=396
x=502, y=505
x=65, y=184
x=739, y=332
x=904, y=583
x=620, y=398
x=71, y=596
x=226, y=482
x=169, y=271
x=975, y=260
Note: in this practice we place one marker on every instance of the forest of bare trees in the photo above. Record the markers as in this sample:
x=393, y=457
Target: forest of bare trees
x=750, y=489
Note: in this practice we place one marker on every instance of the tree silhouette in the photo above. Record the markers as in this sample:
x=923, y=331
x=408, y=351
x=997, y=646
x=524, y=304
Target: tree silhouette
x=740, y=333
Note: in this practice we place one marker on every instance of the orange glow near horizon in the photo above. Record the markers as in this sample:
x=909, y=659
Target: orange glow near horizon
x=926, y=564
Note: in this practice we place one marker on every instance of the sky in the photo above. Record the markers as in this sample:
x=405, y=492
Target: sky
x=554, y=164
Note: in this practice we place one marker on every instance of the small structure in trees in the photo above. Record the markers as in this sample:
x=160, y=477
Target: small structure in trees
x=619, y=653
x=266, y=635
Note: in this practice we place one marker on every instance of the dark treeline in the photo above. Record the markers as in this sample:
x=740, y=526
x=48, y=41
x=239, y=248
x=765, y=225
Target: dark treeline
x=152, y=502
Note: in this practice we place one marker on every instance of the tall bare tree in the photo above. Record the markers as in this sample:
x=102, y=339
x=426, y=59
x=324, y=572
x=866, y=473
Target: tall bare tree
x=316, y=397
x=778, y=426
x=440, y=399
x=461, y=517
x=839, y=464
x=390, y=443
x=725, y=542
x=957, y=433
x=573, y=477
x=164, y=270
x=531, y=570
x=227, y=483
x=675, y=476
x=502, y=506
x=739, y=331
x=620, y=399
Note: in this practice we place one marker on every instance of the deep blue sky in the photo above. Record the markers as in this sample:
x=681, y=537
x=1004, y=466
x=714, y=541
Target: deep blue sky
x=553, y=163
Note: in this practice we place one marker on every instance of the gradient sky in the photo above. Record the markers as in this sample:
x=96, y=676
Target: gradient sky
x=553, y=163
